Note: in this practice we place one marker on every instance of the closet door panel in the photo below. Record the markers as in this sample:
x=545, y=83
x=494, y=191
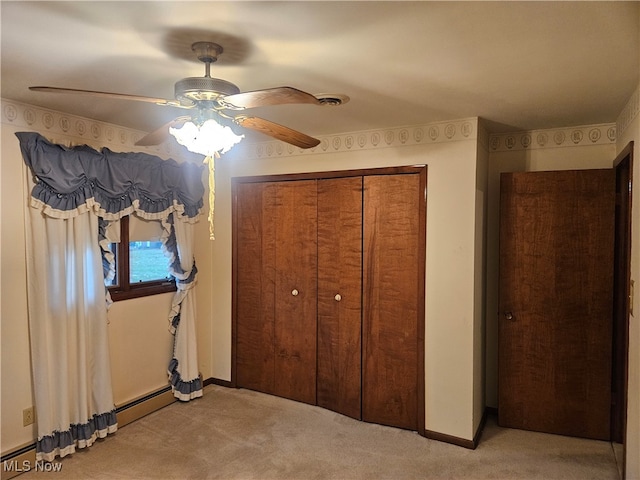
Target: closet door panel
x=390, y=303
x=340, y=295
x=296, y=290
x=255, y=286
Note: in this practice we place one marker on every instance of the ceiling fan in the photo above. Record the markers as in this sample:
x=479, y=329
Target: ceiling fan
x=214, y=98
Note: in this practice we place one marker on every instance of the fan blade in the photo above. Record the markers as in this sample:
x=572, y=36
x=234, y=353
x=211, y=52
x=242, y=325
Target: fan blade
x=268, y=97
x=280, y=132
x=159, y=135
x=121, y=96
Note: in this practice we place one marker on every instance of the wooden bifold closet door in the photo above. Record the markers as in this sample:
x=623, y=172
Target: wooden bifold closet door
x=391, y=299
x=340, y=295
x=276, y=288
x=329, y=292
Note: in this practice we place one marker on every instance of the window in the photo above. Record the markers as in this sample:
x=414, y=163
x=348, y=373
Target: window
x=141, y=267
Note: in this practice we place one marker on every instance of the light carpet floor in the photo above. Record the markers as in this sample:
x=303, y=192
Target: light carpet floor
x=240, y=434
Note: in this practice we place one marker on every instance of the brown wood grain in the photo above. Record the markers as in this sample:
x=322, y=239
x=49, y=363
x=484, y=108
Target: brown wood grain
x=296, y=269
x=340, y=272
x=275, y=130
x=255, y=286
x=390, y=299
x=278, y=337
x=556, y=277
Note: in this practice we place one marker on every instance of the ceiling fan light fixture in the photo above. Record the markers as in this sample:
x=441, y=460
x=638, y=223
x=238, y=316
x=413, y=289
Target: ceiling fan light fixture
x=206, y=139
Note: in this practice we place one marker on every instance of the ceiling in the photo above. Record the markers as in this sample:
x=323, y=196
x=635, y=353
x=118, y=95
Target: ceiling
x=519, y=65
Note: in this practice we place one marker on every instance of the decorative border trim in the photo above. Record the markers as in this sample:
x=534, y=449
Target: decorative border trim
x=451, y=131
x=75, y=130
x=600, y=134
x=69, y=130
x=629, y=112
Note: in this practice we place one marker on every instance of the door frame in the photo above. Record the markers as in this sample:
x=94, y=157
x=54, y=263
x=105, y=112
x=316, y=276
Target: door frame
x=623, y=166
x=412, y=169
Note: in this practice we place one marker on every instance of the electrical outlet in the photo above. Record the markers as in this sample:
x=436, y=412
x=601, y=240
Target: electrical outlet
x=28, y=416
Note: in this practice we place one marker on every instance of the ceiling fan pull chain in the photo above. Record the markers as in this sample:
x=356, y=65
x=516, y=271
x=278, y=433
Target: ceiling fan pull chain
x=210, y=162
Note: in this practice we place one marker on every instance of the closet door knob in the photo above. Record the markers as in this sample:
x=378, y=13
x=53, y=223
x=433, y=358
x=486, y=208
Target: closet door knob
x=338, y=297
x=294, y=292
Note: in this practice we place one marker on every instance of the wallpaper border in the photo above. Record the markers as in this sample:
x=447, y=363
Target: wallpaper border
x=629, y=112
x=598, y=134
x=68, y=129
x=439, y=132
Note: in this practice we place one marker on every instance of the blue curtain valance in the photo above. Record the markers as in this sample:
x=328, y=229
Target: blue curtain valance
x=70, y=180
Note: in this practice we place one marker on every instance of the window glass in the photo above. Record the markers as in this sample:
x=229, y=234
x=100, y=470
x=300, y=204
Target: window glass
x=141, y=266
x=147, y=262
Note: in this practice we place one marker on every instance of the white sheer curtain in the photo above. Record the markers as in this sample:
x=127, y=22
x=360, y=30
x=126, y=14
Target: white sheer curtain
x=68, y=329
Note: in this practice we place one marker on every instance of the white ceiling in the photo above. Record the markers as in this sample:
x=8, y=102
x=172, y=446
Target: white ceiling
x=520, y=65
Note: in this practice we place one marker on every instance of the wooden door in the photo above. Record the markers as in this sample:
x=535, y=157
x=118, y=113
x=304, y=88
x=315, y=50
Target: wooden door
x=556, y=277
x=296, y=286
x=254, y=288
x=276, y=287
x=340, y=294
x=393, y=289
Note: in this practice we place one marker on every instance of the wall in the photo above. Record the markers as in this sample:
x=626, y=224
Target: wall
x=628, y=125
x=576, y=148
x=139, y=341
x=140, y=344
x=464, y=164
x=463, y=184
x=450, y=151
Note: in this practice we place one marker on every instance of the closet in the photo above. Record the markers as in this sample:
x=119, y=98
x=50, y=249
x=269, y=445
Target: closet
x=328, y=290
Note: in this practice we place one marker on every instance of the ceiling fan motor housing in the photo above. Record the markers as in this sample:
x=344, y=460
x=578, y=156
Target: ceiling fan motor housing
x=198, y=89
x=207, y=51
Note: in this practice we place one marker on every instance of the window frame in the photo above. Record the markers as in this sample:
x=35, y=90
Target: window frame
x=124, y=289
